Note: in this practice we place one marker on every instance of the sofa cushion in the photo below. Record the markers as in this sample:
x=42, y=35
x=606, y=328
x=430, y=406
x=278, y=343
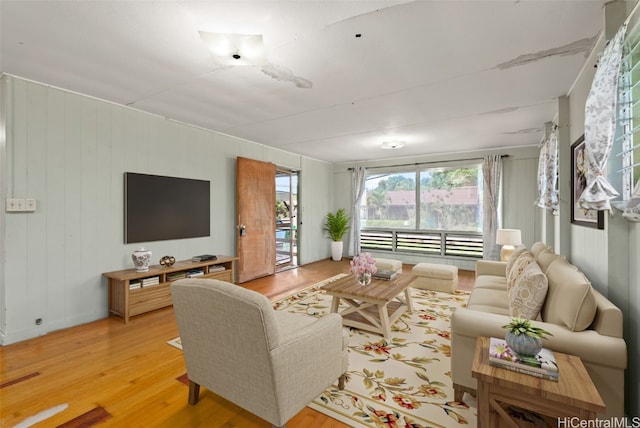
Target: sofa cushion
x=545, y=258
x=527, y=295
x=491, y=267
x=524, y=259
x=570, y=300
x=538, y=247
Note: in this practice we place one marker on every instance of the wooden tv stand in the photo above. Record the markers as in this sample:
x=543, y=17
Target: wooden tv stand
x=132, y=293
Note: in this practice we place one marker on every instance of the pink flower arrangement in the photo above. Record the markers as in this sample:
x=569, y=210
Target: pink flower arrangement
x=363, y=263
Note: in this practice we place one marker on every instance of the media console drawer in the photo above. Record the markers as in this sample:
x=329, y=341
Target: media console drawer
x=224, y=275
x=134, y=293
x=147, y=299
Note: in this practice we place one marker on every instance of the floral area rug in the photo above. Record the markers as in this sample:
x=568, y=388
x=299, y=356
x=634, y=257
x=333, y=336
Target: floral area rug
x=403, y=381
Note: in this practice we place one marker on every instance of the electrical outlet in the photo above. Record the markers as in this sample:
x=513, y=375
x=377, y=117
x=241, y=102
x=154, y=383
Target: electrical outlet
x=11, y=204
x=15, y=204
x=30, y=204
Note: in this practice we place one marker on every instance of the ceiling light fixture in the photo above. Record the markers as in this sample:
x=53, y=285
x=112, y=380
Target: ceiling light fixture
x=235, y=49
x=392, y=145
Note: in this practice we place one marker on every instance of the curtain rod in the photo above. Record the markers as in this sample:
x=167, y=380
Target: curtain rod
x=424, y=163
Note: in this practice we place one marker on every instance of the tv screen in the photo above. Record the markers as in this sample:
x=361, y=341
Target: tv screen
x=159, y=208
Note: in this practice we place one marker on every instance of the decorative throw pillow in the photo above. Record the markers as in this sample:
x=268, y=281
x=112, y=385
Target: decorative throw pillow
x=514, y=256
x=528, y=293
x=524, y=259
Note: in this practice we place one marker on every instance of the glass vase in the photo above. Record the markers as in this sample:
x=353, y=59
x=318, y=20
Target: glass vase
x=363, y=278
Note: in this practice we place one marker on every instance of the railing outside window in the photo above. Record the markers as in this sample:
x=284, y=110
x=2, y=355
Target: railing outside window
x=434, y=243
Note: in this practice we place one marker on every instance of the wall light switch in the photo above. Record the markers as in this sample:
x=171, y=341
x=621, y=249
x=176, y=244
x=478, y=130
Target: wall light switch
x=30, y=204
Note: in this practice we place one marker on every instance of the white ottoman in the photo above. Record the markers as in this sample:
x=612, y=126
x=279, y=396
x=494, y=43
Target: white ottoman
x=435, y=277
x=389, y=264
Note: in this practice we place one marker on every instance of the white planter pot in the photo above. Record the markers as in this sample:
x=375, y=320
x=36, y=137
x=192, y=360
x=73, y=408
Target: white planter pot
x=336, y=251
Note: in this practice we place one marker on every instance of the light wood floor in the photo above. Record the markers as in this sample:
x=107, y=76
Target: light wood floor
x=110, y=374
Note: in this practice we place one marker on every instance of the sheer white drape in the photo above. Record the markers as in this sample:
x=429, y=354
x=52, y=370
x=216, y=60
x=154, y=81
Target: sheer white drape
x=358, y=180
x=548, y=169
x=491, y=172
x=600, y=125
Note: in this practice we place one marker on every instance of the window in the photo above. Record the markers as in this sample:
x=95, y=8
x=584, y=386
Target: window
x=436, y=210
x=450, y=199
x=389, y=201
x=624, y=164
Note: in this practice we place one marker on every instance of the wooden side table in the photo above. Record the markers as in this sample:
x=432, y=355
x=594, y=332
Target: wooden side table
x=574, y=395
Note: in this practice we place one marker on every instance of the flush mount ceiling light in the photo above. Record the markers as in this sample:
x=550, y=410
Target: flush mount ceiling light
x=235, y=49
x=392, y=145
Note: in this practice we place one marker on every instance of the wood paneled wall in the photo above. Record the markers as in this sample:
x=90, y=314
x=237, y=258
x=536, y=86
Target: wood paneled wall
x=609, y=257
x=69, y=152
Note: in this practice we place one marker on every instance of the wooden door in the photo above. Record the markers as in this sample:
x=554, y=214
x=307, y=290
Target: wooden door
x=256, y=228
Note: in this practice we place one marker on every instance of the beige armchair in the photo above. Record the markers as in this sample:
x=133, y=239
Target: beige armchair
x=271, y=363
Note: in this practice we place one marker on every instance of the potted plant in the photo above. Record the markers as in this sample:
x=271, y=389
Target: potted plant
x=523, y=337
x=336, y=225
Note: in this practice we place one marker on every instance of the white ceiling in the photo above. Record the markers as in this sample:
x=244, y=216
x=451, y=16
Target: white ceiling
x=444, y=76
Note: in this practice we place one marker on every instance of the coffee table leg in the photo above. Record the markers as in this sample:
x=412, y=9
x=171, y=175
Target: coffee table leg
x=335, y=303
x=409, y=302
x=384, y=320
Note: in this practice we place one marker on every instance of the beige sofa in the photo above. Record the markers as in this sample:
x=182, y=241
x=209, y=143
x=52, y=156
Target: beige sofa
x=583, y=323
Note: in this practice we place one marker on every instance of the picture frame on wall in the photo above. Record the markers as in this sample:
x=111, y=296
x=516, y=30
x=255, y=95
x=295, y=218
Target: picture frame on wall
x=581, y=216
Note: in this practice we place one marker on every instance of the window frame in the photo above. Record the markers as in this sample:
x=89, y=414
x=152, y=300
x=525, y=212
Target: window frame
x=416, y=240
x=624, y=164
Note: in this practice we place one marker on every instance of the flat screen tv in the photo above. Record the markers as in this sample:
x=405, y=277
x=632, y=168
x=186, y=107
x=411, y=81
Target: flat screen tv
x=158, y=208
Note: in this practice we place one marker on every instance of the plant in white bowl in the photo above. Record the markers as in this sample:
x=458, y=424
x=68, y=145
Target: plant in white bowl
x=523, y=337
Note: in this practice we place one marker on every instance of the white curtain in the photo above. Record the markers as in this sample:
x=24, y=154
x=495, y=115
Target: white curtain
x=358, y=180
x=600, y=125
x=548, y=169
x=491, y=172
